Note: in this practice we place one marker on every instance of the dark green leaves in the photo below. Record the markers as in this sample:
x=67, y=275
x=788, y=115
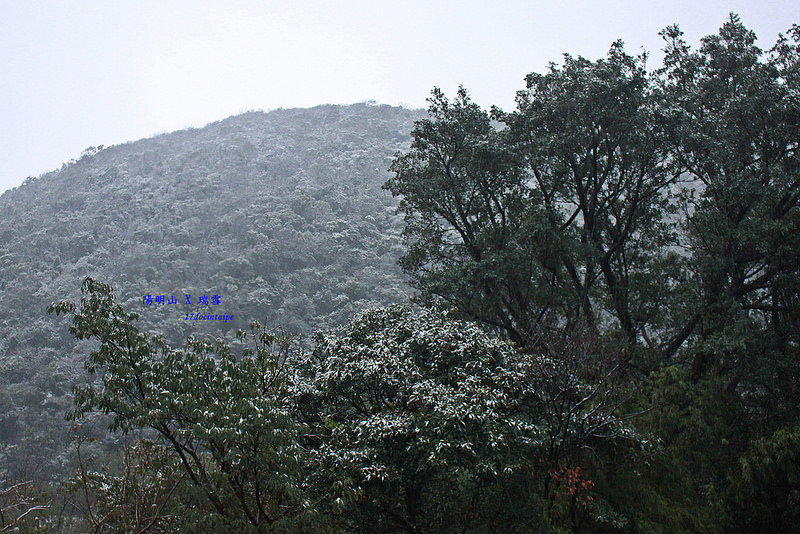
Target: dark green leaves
x=554, y=219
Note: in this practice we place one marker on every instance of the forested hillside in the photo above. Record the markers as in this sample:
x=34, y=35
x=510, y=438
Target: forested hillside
x=605, y=334
x=280, y=214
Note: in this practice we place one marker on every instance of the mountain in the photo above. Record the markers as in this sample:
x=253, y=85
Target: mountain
x=277, y=217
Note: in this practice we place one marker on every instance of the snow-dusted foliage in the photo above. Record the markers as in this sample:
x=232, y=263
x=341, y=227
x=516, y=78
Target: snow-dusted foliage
x=225, y=417
x=433, y=424
x=403, y=419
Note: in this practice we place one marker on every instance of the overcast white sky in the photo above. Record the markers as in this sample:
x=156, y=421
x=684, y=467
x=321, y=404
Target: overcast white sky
x=80, y=73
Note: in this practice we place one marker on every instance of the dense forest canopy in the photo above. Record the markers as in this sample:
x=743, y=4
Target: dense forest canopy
x=280, y=214
x=604, y=336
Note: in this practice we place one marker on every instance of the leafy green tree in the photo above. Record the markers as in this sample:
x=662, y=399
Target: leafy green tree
x=226, y=418
x=556, y=221
x=657, y=216
x=734, y=122
x=764, y=495
x=737, y=123
x=429, y=424
x=464, y=203
x=594, y=156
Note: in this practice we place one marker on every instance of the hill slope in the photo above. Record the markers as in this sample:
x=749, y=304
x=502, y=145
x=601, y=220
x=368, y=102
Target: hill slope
x=280, y=215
